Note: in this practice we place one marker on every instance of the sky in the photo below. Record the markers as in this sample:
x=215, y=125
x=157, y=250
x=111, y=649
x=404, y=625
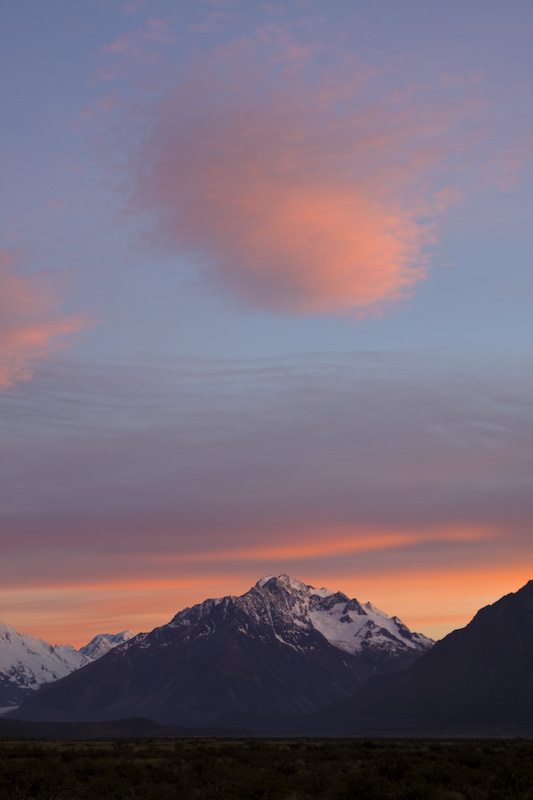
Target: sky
x=265, y=306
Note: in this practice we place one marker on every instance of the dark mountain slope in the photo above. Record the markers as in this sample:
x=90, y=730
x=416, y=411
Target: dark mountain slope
x=267, y=652
x=482, y=673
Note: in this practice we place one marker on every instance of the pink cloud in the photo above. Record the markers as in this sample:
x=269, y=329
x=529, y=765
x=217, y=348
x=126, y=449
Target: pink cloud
x=449, y=81
x=283, y=46
x=156, y=30
x=104, y=105
x=131, y=7
x=445, y=198
x=509, y=166
x=210, y=24
x=32, y=327
x=108, y=102
x=297, y=197
x=135, y=48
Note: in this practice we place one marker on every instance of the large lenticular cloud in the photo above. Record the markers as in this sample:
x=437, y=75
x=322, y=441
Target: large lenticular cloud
x=296, y=196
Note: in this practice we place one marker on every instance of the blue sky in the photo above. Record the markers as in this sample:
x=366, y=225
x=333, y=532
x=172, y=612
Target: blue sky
x=266, y=272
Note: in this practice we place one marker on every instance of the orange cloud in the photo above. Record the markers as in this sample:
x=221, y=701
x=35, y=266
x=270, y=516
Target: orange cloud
x=297, y=197
x=436, y=601
x=330, y=544
x=432, y=601
x=32, y=328
x=75, y=613
x=152, y=588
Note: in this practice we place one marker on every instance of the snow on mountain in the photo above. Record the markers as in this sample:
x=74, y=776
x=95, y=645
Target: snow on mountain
x=346, y=623
x=293, y=584
x=353, y=627
x=291, y=607
x=26, y=662
x=103, y=643
x=283, y=647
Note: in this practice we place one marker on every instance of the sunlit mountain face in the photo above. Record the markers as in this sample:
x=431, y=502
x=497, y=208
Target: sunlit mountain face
x=282, y=648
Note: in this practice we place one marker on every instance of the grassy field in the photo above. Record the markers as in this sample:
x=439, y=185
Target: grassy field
x=346, y=769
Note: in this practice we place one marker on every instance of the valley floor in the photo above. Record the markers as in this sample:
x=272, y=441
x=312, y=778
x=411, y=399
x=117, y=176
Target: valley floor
x=259, y=769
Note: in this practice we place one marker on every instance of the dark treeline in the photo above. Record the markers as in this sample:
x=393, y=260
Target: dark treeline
x=262, y=769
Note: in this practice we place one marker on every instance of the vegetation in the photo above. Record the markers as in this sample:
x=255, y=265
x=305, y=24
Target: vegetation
x=259, y=769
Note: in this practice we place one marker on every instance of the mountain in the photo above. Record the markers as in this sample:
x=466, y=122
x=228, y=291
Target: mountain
x=281, y=648
x=481, y=674
x=26, y=663
x=103, y=643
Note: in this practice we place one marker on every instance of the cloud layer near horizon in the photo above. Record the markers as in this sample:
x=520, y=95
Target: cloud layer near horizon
x=288, y=186
x=376, y=449
x=349, y=470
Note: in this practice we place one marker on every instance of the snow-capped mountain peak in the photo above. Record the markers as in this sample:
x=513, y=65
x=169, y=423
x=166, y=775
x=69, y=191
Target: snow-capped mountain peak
x=293, y=584
x=283, y=647
x=261, y=582
x=104, y=642
x=290, y=607
x=27, y=662
x=346, y=623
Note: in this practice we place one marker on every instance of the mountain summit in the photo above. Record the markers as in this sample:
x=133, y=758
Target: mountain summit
x=293, y=610
x=281, y=648
x=103, y=643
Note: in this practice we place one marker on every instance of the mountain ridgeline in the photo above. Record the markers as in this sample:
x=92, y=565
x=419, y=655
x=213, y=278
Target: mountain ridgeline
x=286, y=658
x=26, y=663
x=282, y=648
x=481, y=674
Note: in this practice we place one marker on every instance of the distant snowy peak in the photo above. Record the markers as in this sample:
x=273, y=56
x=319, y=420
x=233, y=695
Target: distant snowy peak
x=289, y=606
x=26, y=662
x=103, y=643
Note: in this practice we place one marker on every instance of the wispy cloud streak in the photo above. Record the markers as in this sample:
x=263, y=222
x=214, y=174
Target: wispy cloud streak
x=135, y=48
x=373, y=444
x=32, y=326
